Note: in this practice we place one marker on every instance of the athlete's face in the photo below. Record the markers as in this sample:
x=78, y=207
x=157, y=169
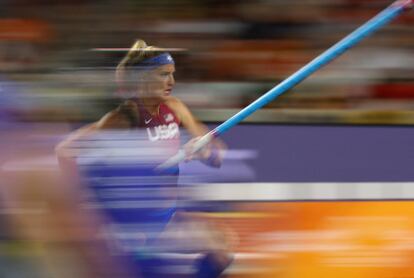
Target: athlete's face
x=159, y=82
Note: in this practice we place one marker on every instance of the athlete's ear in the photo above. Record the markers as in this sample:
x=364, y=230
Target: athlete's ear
x=143, y=82
x=141, y=75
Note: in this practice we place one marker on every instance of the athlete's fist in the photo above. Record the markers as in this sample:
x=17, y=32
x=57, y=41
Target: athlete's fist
x=191, y=154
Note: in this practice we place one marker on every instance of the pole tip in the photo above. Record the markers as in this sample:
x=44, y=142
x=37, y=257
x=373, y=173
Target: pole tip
x=405, y=4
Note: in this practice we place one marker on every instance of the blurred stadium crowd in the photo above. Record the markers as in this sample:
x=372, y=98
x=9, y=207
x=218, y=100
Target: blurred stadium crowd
x=234, y=52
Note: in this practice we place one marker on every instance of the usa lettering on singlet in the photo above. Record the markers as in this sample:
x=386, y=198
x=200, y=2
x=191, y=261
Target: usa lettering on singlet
x=162, y=126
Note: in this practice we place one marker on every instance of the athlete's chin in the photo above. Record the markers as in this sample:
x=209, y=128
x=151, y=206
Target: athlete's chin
x=162, y=96
x=166, y=97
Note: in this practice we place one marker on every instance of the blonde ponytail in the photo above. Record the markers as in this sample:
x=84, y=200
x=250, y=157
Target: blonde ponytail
x=138, y=52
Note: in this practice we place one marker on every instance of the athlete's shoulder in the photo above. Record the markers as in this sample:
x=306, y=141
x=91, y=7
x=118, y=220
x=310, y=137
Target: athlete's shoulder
x=175, y=104
x=113, y=120
x=173, y=101
x=180, y=109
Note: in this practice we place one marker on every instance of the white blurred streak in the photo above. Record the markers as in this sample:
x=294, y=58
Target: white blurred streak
x=236, y=192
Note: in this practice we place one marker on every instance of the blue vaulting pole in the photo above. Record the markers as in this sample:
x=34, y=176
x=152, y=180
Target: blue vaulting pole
x=330, y=54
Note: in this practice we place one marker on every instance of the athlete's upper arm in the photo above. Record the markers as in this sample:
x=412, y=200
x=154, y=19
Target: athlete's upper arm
x=111, y=120
x=196, y=129
x=63, y=148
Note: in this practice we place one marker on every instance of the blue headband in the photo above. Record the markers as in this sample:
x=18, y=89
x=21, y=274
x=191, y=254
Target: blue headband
x=154, y=62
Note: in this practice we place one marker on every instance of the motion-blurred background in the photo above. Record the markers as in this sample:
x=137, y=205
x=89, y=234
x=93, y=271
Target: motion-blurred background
x=235, y=51
x=317, y=184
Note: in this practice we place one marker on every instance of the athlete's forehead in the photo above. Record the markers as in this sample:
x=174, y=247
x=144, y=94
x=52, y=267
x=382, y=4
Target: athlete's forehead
x=165, y=68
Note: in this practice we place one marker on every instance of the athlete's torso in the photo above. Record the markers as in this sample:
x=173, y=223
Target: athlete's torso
x=135, y=197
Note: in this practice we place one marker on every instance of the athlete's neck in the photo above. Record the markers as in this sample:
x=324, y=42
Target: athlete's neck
x=151, y=104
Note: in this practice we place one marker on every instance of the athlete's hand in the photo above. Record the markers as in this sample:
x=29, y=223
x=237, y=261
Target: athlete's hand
x=202, y=154
x=211, y=154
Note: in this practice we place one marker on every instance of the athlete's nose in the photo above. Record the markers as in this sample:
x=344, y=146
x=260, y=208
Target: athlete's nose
x=171, y=80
